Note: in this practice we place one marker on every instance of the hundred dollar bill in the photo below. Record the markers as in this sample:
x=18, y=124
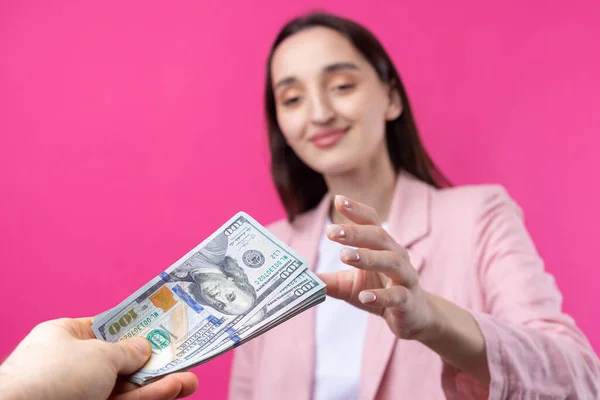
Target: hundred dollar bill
x=296, y=294
x=99, y=316
x=302, y=293
x=204, y=296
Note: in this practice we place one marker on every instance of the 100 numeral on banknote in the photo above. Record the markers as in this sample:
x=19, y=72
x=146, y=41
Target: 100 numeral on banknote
x=200, y=299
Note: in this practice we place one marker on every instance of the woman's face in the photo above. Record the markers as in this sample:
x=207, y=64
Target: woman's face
x=223, y=295
x=331, y=105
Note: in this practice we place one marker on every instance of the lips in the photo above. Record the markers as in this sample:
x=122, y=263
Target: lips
x=329, y=137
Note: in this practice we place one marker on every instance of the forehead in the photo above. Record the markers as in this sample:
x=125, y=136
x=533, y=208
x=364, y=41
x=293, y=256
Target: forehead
x=308, y=52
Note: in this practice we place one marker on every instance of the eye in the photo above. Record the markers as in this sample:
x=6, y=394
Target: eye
x=291, y=101
x=344, y=87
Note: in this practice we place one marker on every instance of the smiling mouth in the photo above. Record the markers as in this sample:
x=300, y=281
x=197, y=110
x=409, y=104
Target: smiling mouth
x=328, y=138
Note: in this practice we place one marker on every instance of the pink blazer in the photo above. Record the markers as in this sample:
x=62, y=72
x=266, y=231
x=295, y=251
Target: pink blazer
x=469, y=245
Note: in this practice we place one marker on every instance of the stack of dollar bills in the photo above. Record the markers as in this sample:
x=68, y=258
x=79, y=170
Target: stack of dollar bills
x=237, y=284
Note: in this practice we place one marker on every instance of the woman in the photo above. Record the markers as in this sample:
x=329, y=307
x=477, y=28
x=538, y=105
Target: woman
x=438, y=291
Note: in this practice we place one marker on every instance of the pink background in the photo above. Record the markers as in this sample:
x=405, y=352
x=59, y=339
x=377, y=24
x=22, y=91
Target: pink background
x=129, y=131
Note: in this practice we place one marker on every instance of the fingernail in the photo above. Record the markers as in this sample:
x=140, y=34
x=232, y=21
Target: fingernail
x=337, y=231
x=367, y=297
x=140, y=343
x=344, y=200
x=350, y=255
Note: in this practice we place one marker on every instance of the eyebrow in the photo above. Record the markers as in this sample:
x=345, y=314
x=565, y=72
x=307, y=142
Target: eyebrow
x=340, y=66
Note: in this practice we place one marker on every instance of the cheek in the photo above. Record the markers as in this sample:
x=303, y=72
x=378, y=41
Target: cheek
x=364, y=107
x=368, y=112
x=240, y=294
x=246, y=299
x=291, y=124
x=352, y=107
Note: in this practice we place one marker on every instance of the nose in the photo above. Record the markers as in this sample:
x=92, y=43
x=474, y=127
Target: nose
x=321, y=111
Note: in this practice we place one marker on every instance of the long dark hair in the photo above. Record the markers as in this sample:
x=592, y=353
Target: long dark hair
x=300, y=187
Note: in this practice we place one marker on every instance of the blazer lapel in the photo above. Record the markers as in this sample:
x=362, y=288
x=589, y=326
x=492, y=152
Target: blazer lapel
x=408, y=223
x=409, y=214
x=305, y=239
x=307, y=232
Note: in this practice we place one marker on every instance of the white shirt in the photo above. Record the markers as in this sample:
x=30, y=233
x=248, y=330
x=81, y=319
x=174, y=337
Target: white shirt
x=339, y=335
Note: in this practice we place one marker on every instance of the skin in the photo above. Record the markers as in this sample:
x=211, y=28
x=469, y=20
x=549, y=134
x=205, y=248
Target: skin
x=61, y=359
x=321, y=81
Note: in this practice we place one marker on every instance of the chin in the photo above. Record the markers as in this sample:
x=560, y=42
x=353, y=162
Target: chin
x=335, y=162
x=335, y=168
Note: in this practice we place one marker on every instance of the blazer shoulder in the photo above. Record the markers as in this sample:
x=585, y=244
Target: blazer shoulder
x=475, y=200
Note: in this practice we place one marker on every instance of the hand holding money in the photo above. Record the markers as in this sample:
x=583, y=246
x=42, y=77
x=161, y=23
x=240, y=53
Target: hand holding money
x=59, y=359
x=235, y=285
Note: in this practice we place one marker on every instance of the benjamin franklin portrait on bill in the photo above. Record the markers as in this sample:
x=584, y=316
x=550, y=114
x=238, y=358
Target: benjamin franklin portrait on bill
x=217, y=280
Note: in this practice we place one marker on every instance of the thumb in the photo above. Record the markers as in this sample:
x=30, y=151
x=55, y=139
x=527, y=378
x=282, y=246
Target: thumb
x=129, y=355
x=338, y=284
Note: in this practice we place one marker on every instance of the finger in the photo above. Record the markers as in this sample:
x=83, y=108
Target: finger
x=356, y=212
x=80, y=328
x=174, y=386
x=386, y=262
x=128, y=356
x=344, y=285
x=123, y=386
x=395, y=296
x=338, y=284
x=85, y=328
x=189, y=384
x=367, y=236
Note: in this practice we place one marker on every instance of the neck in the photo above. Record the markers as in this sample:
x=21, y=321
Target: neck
x=373, y=184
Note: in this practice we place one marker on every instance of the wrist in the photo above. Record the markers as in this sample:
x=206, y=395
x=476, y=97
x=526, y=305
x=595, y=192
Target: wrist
x=436, y=324
x=456, y=337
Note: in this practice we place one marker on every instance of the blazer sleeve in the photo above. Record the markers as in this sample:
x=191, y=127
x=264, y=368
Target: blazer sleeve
x=534, y=350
